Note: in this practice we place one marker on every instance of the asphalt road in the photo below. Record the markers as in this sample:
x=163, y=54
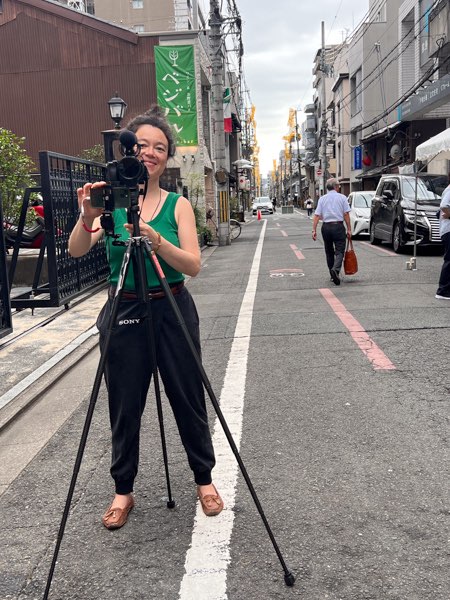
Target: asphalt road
x=338, y=398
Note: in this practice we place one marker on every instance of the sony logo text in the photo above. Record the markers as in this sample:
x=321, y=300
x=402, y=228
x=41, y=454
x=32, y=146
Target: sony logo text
x=129, y=321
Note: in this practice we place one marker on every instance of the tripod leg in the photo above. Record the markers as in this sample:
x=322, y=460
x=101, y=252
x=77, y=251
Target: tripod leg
x=170, y=501
x=87, y=423
x=142, y=278
x=142, y=287
x=289, y=578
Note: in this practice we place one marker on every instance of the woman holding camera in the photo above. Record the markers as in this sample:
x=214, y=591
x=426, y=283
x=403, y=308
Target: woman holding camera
x=168, y=221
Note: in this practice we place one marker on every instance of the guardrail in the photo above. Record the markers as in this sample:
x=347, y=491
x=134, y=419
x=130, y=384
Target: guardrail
x=68, y=277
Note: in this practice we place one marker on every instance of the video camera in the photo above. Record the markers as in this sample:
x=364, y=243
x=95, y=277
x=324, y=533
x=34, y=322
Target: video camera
x=122, y=176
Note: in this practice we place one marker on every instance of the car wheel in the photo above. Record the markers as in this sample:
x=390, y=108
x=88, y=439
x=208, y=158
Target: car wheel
x=397, y=243
x=373, y=240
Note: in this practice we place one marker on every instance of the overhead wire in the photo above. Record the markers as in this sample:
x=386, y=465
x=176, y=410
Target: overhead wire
x=404, y=97
x=355, y=92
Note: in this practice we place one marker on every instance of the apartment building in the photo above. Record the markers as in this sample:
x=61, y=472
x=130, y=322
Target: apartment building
x=387, y=90
x=151, y=15
x=425, y=61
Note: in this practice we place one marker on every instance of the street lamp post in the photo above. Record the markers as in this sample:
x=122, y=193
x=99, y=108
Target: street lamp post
x=117, y=108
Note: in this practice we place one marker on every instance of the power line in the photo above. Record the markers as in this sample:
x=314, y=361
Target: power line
x=402, y=99
x=354, y=93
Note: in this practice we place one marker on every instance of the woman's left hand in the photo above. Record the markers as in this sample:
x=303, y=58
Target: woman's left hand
x=144, y=230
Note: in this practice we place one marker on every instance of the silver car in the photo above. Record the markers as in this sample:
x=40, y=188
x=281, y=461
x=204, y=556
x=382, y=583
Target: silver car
x=263, y=204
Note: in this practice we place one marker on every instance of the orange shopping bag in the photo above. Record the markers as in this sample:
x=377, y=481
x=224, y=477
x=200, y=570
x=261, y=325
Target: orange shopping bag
x=350, y=260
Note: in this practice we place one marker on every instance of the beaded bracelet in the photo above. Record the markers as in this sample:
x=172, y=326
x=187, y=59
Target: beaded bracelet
x=86, y=228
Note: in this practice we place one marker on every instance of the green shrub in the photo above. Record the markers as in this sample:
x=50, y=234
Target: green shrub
x=205, y=233
x=96, y=154
x=15, y=168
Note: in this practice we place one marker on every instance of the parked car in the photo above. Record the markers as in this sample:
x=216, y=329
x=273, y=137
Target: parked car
x=264, y=204
x=393, y=209
x=360, y=203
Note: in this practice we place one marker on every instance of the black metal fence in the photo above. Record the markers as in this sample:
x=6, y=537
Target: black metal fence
x=5, y=308
x=67, y=277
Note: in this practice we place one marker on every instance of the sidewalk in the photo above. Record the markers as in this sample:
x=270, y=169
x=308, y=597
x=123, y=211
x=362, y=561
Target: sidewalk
x=32, y=363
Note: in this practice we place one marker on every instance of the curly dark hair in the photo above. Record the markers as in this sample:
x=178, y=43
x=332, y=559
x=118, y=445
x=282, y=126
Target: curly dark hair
x=156, y=117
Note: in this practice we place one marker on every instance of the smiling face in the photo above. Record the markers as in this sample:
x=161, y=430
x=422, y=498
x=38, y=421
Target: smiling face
x=154, y=149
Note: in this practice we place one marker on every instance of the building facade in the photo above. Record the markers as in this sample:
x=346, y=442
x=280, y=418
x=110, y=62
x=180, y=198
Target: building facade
x=390, y=92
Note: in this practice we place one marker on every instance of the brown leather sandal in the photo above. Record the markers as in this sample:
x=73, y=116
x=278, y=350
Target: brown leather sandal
x=115, y=517
x=212, y=504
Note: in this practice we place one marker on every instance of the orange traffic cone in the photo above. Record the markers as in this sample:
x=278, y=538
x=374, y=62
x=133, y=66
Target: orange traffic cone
x=259, y=215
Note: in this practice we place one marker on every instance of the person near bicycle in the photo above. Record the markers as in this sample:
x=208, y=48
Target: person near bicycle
x=168, y=221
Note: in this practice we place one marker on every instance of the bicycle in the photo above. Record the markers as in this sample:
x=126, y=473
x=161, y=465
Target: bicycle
x=235, y=226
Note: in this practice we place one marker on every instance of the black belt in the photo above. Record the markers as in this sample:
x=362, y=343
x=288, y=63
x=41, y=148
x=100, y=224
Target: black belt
x=154, y=293
x=333, y=222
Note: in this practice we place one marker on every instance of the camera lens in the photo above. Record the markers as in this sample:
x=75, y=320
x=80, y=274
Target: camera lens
x=130, y=170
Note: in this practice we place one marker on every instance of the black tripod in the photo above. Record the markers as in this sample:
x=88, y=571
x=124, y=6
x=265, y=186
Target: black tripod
x=137, y=248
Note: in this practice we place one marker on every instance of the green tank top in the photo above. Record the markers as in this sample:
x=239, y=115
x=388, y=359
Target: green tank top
x=166, y=225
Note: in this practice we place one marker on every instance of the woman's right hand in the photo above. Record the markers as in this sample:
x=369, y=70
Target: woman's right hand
x=84, y=201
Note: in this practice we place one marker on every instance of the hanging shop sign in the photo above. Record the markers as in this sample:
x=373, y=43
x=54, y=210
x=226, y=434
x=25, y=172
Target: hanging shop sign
x=176, y=91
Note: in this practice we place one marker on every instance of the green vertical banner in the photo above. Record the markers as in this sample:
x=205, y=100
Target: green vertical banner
x=176, y=92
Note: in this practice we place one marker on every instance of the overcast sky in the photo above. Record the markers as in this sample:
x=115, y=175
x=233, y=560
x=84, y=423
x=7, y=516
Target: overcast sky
x=281, y=38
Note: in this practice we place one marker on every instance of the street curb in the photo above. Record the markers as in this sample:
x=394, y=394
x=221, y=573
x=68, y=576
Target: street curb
x=35, y=391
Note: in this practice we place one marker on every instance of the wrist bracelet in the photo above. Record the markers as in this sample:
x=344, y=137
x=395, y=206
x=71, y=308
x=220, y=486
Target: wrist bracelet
x=86, y=228
x=156, y=247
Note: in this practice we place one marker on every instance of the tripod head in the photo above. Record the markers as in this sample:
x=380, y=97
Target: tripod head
x=133, y=209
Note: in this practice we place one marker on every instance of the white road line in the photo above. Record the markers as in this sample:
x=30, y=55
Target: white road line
x=208, y=557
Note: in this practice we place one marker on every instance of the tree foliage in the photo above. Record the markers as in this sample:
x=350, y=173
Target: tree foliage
x=15, y=169
x=196, y=187
x=96, y=154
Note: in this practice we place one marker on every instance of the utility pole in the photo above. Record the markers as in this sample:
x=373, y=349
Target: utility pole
x=298, y=160
x=290, y=174
x=217, y=78
x=324, y=126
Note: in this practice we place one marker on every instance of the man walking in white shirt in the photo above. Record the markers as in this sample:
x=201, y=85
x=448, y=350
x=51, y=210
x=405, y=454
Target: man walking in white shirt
x=333, y=209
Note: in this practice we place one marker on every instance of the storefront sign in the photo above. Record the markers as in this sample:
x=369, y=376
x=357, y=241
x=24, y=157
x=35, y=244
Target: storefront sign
x=357, y=158
x=436, y=94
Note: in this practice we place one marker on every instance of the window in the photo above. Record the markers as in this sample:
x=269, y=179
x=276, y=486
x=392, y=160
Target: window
x=363, y=200
x=137, y=3
x=139, y=28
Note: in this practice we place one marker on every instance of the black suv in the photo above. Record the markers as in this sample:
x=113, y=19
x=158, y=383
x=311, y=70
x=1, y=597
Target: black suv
x=393, y=209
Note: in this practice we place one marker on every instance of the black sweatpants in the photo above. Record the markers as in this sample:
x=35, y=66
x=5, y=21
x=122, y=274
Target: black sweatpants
x=334, y=239
x=128, y=372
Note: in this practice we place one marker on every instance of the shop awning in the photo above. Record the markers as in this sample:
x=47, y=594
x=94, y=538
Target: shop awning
x=380, y=132
x=438, y=145
x=375, y=171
